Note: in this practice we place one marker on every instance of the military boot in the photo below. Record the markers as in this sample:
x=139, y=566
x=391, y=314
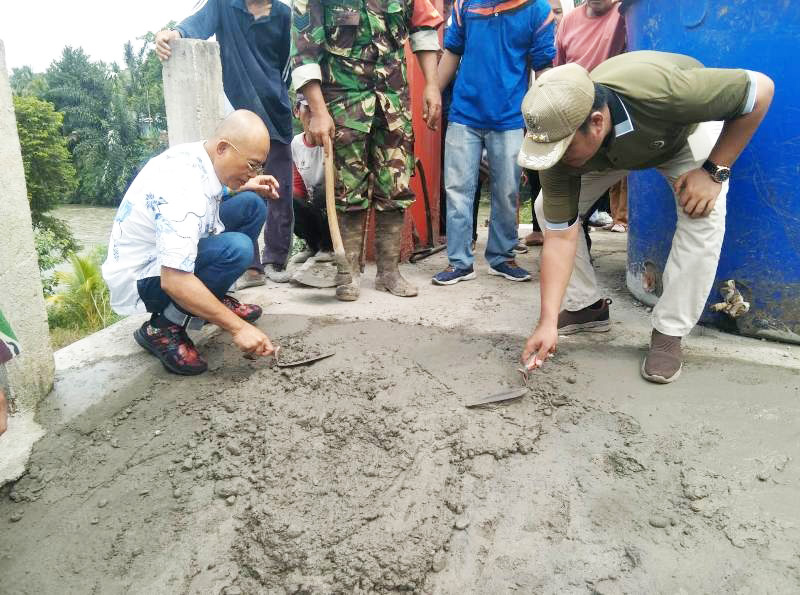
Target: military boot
x=351, y=225
x=388, y=237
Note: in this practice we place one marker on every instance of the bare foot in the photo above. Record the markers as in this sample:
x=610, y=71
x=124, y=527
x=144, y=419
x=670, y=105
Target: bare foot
x=3, y=412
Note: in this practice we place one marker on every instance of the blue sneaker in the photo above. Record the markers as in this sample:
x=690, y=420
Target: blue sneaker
x=452, y=275
x=511, y=271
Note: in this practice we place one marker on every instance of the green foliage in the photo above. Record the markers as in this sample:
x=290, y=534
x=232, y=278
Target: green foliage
x=101, y=131
x=49, y=173
x=83, y=300
x=26, y=82
x=49, y=176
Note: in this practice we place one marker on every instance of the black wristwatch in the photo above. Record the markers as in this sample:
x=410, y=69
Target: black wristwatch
x=718, y=173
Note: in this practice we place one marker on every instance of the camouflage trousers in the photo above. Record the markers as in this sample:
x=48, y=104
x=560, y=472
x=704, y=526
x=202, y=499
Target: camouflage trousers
x=375, y=165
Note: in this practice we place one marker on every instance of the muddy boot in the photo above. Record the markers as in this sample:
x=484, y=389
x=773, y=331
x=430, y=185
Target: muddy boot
x=388, y=236
x=351, y=224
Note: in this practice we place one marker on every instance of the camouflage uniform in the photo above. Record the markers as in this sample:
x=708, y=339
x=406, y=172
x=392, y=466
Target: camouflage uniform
x=355, y=49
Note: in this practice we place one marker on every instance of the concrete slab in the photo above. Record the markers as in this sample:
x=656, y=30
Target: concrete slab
x=16, y=445
x=109, y=363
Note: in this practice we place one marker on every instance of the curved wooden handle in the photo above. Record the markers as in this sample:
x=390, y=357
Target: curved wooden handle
x=330, y=204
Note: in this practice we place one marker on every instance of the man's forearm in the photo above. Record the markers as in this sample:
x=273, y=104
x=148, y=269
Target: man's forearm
x=558, y=258
x=313, y=94
x=428, y=64
x=737, y=133
x=191, y=294
x=447, y=68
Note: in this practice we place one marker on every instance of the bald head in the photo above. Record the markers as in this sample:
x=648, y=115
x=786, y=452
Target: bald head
x=239, y=146
x=246, y=130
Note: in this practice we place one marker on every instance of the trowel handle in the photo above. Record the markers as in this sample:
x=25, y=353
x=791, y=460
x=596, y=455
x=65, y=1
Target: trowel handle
x=330, y=203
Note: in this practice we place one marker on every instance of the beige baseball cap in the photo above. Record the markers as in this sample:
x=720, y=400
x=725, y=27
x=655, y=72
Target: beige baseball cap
x=554, y=107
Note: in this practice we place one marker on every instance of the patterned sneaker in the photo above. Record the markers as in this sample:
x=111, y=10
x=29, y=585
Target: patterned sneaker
x=173, y=347
x=593, y=319
x=663, y=362
x=248, y=312
x=451, y=275
x=511, y=271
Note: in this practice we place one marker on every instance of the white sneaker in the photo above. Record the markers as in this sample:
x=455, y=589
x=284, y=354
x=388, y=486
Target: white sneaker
x=275, y=274
x=600, y=219
x=323, y=256
x=301, y=256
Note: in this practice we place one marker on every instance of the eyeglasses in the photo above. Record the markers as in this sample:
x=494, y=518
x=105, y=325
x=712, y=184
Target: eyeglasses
x=254, y=167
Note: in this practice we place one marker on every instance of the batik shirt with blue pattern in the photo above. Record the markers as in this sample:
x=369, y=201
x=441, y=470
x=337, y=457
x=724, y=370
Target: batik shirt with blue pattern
x=171, y=205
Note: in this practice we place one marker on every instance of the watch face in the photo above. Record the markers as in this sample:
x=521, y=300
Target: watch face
x=722, y=174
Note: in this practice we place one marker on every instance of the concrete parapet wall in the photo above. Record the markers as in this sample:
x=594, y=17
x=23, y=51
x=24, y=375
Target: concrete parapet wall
x=193, y=93
x=30, y=376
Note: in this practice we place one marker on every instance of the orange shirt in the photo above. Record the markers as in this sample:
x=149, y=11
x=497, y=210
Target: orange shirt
x=590, y=41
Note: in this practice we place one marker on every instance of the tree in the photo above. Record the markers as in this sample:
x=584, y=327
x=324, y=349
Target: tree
x=24, y=81
x=49, y=176
x=84, y=301
x=101, y=129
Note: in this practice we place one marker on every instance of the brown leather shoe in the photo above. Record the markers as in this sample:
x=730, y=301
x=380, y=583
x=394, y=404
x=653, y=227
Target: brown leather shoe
x=663, y=362
x=592, y=319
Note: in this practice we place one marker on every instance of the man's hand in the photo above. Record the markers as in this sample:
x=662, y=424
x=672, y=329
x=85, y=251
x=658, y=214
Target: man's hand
x=697, y=193
x=163, y=38
x=320, y=126
x=251, y=340
x=432, y=105
x=540, y=345
x=266, y=186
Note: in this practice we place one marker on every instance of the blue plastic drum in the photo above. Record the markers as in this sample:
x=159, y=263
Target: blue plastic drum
x=761, y=252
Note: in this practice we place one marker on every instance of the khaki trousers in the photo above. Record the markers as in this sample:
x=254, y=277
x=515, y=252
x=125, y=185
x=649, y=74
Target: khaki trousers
x=693, y=257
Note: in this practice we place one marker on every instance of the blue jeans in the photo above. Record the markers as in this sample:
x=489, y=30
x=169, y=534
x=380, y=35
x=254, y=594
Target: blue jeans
x=462, y=158
x=280, y=212
x=221, y=259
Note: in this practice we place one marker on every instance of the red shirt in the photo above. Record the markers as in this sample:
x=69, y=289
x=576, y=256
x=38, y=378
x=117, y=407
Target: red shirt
x=590, y=41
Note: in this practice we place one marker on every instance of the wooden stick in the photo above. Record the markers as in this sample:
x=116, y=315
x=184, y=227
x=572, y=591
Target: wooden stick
x=330, y=206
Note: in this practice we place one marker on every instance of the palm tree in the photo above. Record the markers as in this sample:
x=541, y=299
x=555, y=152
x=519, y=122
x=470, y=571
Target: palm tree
x=84, y=299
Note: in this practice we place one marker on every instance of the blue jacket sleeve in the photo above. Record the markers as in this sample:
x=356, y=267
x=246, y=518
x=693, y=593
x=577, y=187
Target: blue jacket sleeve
x=203, y=23
x=543, y=36
x=454, y=34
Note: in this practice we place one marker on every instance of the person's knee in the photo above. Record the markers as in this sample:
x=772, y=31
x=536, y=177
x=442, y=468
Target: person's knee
x=238, y=252
x=254, y=206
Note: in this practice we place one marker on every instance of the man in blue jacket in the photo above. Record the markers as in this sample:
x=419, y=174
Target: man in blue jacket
x=494, y=45
x=254, y=40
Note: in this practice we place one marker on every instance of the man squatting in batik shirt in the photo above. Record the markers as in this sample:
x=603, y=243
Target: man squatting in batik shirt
x=180, y=240
x=348, y=61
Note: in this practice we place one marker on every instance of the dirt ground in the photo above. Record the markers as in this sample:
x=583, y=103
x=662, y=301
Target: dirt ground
x=365, y=473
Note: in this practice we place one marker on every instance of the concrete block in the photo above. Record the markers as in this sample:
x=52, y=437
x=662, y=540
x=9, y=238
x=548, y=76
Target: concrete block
x=30, y=376
x=193, y=93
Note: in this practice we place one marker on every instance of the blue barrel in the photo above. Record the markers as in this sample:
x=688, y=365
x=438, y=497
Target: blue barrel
x=761, y=252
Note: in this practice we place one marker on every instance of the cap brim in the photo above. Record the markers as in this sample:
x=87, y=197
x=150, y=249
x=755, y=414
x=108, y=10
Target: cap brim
x=538, y=156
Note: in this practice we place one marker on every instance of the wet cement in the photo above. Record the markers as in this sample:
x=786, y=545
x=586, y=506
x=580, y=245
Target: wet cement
x=365, y=473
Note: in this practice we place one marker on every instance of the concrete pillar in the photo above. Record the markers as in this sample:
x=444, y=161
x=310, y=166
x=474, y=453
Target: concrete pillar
x=193, y=92
x=29, y=376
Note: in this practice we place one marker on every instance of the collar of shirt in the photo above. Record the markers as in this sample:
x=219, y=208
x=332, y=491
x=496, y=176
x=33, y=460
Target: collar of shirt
x=620, y=118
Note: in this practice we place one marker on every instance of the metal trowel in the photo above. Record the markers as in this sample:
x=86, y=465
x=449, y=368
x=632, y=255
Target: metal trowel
x=293, y=364
x=499, y=397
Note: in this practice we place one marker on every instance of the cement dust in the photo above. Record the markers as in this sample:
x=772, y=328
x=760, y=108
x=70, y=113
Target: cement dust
x=364, y=473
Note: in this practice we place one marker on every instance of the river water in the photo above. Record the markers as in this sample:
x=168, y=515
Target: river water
x=91, y=226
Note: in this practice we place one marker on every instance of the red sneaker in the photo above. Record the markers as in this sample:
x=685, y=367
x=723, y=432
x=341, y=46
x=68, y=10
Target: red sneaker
x=173, y=347
x=248, y=312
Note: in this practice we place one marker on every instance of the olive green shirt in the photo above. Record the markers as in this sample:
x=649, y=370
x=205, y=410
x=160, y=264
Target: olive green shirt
x=660, y=99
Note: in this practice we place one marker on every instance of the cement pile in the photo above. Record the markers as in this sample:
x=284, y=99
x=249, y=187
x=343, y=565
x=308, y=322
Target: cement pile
x=364, y=473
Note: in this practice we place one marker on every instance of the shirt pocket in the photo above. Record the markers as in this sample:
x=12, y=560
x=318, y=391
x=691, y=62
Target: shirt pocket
x=342, y=20
x=397, y=22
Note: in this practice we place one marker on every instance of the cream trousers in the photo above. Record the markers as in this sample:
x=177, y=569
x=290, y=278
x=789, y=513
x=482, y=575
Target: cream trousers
x=693, y=257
